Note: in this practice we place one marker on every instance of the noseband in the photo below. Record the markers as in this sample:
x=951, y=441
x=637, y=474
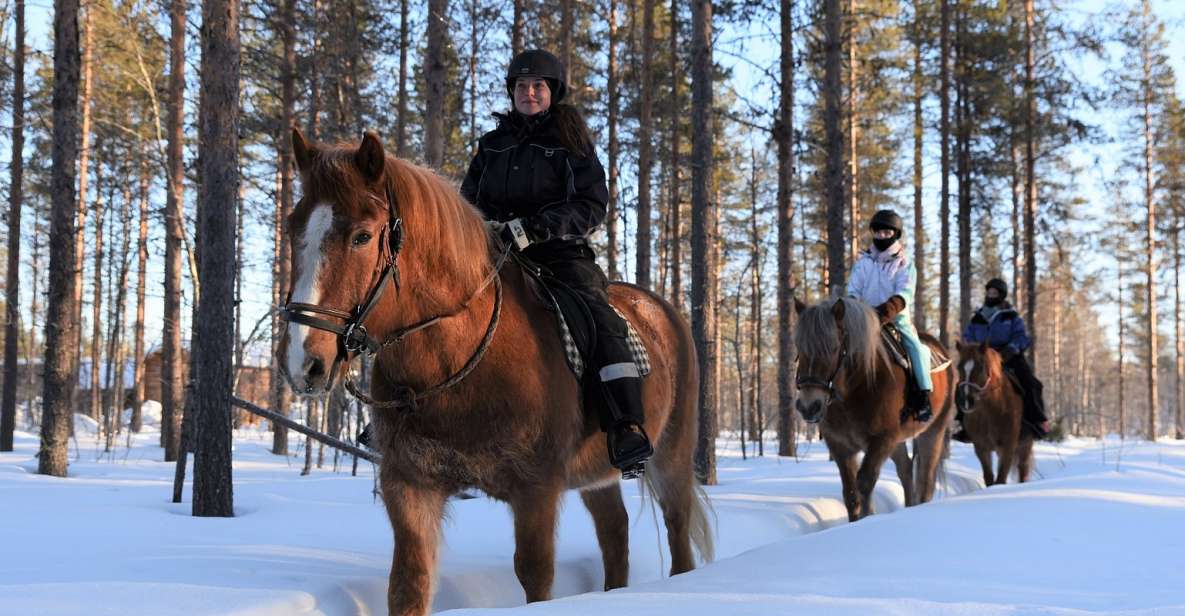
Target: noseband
x=353, y=339
x=968, y=385
x=828, y=385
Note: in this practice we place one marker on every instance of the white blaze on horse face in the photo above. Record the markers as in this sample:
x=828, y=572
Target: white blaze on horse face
x=307, y=289
x=968, y=367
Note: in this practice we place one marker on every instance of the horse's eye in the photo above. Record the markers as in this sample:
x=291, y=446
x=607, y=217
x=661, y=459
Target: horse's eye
x=361, y=239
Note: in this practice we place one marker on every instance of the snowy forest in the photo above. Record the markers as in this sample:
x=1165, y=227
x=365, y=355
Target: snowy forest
x=153, y=179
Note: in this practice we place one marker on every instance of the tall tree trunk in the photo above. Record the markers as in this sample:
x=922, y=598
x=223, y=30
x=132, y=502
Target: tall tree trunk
x=434, y=79
x=1030, y=177
x=566, y=19
x=473, y=43
x=784, y=136
x=32, y=350
x=853, y=136
x=280, y=396
x=755, y=313
x=963, y=146
x=83, y=171
x=645, y=156
x=401, y=115
x=703, y=222
x=219, y=119
x=97, y=311
x=117, y=296
x=12, y=277
x=611, y=215
x=137, y=420
x=1150, y=296
x=919, y=228
x=1179, y=367
x=60, y=372
x=171, y=351
x=1122, y=333
x=315, y=60
x=676, y=204
x=1017, y=265
x=833, y=142
x=944, y=183
x=516, y=27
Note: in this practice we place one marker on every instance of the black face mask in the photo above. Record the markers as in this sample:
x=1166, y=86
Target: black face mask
x=883, y=244
x=992, y=301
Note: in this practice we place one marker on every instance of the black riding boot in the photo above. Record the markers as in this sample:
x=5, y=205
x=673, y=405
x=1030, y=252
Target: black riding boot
x=629, y=446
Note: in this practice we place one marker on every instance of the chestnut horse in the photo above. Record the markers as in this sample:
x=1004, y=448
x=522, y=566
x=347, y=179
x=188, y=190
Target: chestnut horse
x=992, y=412
x=470, y=371
x=848, y=386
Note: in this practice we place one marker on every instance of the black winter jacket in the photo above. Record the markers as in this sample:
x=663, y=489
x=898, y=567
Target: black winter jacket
x=523, y=170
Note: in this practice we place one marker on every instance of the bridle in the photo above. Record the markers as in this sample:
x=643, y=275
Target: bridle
x=353, y=340
x=833, y=394
x=963, y=386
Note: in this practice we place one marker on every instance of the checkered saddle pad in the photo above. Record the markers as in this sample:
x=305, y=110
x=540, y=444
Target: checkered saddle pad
x=577, y=329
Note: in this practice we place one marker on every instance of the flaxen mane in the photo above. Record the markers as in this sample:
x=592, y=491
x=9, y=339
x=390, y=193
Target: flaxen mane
x=817, y=335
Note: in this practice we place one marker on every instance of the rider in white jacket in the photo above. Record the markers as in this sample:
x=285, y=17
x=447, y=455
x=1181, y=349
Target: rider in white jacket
x=884, y=277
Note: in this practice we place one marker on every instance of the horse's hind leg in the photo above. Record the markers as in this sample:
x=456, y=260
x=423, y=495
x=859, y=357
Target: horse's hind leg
x=415, y=515
x=928, y=451
x=613, y=533
x=671, y=478
x=1007, y=455
x=534, y=541
x=904, y=466
x=1024, y=458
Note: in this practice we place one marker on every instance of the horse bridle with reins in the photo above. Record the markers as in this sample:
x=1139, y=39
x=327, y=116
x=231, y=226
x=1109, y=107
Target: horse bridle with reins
x=829, y=385
x=972, y=385
x=354, y=340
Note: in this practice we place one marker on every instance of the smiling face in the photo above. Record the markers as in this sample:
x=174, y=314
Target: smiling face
x=532, y=95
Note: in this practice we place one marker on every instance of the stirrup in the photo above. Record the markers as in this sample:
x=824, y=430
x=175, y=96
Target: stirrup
x=633, y=471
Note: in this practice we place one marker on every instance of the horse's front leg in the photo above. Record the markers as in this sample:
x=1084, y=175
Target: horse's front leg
x=870, y=470
x=534, y=540
x=415, y=514
x=845, y=460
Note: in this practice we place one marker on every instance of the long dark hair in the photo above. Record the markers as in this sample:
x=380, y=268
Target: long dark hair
x=569, y=126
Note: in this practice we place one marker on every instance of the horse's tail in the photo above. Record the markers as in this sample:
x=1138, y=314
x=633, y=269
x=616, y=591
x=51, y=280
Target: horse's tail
x=699, y=523
x=700, y=527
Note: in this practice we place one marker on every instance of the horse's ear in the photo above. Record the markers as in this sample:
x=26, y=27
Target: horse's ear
x=959, y=344
x=799, y=306
x=301, y=150
x=370, y=157
x=983, y=346
x=838, y=309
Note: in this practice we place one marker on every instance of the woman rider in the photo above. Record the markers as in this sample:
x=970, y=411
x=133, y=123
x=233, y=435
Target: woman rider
x=537, y=177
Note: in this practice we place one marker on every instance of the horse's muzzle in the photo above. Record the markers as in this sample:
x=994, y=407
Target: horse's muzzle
x=813, y=412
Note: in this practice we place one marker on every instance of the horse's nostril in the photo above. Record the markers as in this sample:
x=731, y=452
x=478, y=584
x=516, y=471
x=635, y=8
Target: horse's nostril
x=314, y=368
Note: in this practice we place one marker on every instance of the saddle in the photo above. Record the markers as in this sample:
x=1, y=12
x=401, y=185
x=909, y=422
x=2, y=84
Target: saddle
x=895, y=346
x=574, y=320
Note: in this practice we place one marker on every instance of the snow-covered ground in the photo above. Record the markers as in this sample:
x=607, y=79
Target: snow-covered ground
x=1101, y=529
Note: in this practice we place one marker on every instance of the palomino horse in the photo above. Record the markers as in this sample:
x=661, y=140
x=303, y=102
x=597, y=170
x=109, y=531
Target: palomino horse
x=992, y=413
x=848, y=385
x=470, y=370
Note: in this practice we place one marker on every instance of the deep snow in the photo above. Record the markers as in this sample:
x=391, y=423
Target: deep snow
x=1100, y=530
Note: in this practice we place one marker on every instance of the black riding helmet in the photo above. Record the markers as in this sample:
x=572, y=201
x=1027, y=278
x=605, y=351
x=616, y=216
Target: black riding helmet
x=538, y=63
x=999, y=285
x=886, y=219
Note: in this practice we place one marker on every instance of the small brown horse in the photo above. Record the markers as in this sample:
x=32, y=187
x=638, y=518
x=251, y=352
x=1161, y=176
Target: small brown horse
x=848, y=385
x=992, y=413
x=517, y=425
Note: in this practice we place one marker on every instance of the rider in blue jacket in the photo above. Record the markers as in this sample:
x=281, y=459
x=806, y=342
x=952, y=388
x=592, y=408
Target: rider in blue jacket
x=998, y=324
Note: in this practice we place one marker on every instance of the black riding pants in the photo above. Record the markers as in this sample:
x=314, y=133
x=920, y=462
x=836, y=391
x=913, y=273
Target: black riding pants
x=1034, y=406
